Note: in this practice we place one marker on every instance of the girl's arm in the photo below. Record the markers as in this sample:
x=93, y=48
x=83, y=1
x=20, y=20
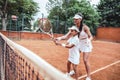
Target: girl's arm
x=69, y=45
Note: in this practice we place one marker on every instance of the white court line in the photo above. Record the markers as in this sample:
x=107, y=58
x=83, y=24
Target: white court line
x=100, y=69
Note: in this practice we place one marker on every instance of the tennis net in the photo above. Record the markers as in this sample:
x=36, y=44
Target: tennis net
x=19, y=63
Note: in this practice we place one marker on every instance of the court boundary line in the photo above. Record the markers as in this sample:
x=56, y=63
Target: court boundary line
x=116, y=62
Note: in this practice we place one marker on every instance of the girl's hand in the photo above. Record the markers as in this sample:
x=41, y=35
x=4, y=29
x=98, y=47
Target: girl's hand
x=56, y=42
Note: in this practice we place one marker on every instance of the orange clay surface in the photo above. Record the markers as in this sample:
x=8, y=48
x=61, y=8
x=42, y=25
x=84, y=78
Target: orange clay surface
x=103, y=55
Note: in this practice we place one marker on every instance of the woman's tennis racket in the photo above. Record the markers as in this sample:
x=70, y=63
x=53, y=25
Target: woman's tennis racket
x=46, y=27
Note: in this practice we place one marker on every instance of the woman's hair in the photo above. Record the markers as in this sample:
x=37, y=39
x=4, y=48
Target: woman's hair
x=81, y=23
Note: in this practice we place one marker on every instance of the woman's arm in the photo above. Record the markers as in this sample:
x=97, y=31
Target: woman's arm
x=66, y=36
x=87, y=30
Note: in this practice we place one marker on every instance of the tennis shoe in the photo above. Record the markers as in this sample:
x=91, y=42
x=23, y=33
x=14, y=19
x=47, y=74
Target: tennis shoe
x=67, y=74
x=71, y=72
x=87, y=78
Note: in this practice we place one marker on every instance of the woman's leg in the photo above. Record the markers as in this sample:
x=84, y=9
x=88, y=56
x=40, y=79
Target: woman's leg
x=86, y=62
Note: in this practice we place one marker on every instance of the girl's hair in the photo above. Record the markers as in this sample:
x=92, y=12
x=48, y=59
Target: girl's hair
x=81, y=23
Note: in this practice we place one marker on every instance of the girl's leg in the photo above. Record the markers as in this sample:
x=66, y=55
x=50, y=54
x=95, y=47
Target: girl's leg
x=68, y=66
x=75, y=70
x=86, y=62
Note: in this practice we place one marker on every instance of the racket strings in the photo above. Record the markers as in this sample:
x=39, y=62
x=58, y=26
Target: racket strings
x=46, y=27
x=50, y=32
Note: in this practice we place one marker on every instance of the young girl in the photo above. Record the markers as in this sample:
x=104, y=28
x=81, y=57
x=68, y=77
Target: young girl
x=74, y=55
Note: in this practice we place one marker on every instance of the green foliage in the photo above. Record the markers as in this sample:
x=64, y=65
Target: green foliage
x=110, y=13
x=21, y=8
x=67, y=9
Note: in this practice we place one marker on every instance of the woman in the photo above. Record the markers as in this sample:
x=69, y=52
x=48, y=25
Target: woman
x=85, y=38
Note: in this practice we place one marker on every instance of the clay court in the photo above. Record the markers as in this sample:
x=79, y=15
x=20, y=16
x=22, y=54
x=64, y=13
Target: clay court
x=104, y=59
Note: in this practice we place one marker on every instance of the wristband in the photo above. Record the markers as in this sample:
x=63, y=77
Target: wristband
x=63, y=45
x=59, y=38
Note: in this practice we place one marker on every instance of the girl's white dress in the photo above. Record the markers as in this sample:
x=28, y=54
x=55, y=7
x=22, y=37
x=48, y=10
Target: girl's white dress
x=74, y=54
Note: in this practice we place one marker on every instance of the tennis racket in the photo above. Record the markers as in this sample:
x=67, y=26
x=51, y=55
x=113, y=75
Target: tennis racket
x=46, y=27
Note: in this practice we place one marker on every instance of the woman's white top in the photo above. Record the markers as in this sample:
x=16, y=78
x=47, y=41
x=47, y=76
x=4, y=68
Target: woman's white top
x=85, y=43
x=74, y=54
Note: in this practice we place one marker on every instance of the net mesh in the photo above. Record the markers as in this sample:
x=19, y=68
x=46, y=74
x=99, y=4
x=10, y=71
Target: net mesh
x=18, y=63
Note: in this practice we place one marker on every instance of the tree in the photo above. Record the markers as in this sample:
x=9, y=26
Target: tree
x=110, y=13
x=18, y=8
x=66, y=10
x=52, y=3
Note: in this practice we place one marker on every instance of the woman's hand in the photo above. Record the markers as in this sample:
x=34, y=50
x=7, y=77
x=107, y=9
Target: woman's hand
x=58, y=39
